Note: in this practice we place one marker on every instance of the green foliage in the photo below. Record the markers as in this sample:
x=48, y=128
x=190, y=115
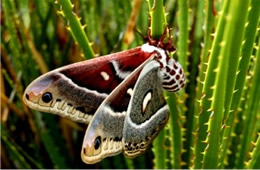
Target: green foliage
x=75, y=27
x=214, y=121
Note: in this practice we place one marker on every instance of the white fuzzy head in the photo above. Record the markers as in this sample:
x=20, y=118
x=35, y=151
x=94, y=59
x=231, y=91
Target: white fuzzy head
x=173, y=78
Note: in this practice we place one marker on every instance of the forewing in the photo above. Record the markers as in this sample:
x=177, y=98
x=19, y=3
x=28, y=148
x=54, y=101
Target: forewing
x=103, y=137
x=147, y=112
x=76, y=91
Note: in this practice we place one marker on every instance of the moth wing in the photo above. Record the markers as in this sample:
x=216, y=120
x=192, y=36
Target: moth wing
x=76, y=91
x=147, y=112
x=103, y=137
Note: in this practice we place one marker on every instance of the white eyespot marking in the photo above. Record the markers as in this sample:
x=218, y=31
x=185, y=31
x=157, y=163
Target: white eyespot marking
x=120, y=73
x=105, y=75
x=130, y=91
x=146, y=100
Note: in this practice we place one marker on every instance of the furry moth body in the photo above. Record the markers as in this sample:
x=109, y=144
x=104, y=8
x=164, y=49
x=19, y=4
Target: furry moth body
x=119, y=95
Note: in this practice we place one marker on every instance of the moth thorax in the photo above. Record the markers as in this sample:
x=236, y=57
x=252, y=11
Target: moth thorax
x=173, y=78
x=172, y=74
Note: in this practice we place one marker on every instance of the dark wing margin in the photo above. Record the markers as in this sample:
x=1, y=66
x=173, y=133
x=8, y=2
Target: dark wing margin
x=147, y=112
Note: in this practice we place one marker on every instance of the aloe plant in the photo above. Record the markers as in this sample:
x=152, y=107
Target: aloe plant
x=214, y=120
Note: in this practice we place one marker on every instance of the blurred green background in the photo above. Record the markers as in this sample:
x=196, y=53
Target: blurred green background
x=36, y=37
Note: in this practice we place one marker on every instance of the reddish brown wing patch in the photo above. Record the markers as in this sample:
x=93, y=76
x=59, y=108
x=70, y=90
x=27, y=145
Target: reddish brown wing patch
x=100, y=74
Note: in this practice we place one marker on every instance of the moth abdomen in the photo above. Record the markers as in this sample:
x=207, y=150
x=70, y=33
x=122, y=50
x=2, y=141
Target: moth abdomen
x=173, y=78
x=171, y=72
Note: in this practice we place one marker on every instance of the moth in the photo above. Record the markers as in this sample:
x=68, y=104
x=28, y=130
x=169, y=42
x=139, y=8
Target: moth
x=119, y=96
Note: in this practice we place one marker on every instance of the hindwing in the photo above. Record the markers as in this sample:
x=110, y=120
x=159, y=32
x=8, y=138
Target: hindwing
x=104, y=135
x=147, y=111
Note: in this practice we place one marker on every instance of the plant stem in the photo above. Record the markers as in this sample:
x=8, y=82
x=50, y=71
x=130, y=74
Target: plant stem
x=254, y=161
x=183, y=33
x=207, y=42
x=76, y=28
x=175, y=131
x=253, y=20
x=207, y=90
x=251, y=113
x=158, y=19
x=158, y=23
x=225, y=78
x=191, y=84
